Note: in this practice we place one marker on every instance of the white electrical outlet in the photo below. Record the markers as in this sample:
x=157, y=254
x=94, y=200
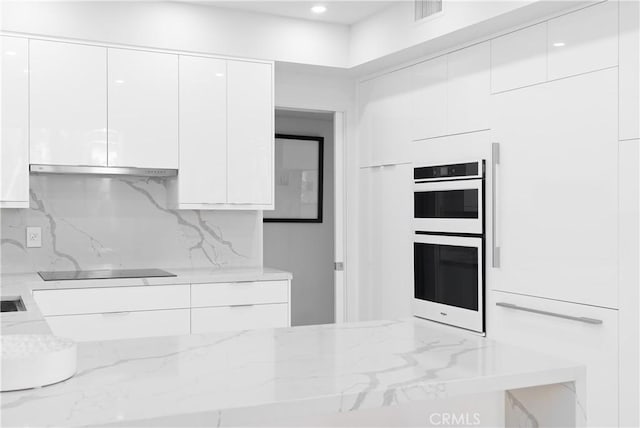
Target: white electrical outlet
x=34, y=237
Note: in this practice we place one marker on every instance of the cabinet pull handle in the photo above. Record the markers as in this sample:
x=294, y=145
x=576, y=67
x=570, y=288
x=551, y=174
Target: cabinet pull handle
x=551, y=314
x=495, y=249
x=116, y=314
x=243, y=306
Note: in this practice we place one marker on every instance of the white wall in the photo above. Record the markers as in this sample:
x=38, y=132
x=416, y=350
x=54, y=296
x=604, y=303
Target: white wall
x=183, y=26
x=306, y=249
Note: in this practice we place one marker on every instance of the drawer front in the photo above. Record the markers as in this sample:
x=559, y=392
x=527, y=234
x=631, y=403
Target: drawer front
x=239, y=318
x=121, y=325
x=113, y=299
x=594, y=345
x=239, y=293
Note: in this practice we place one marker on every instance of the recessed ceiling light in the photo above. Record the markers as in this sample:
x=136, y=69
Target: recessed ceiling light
x=318, y=9
x=558, y=44
x=10, y=53
x=119, y=81
x=219, y=74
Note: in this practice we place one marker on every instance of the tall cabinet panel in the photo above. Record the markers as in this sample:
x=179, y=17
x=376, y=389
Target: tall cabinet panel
x=250, y=132
x=386, y=241
x=143, y=109
x=14, y=151
x=203, y=130
x=429, y=100
x=68, y=103
x=558, y=189
x=629, y=70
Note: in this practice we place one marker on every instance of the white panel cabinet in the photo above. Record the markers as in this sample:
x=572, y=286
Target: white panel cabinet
x=143, y=109
x=629, y=70
x=583, y=41
x=250, y=133
x=239, y=293
x=429, y=98
x=241, y=317
x=386, y=119
x=386, y=246
x=68, y=99
x=557, y=189
x=519, y=59
x=468, y=88
x=14, y=149
x=121, y=325
x=203, y=131
x=594, y=345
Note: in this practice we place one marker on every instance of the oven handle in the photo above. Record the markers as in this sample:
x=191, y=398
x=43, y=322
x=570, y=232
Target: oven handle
x=495, y=161
x=551, y=314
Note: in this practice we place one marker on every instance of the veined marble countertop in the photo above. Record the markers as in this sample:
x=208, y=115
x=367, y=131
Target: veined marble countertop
x=32, y=321
x=326, y=368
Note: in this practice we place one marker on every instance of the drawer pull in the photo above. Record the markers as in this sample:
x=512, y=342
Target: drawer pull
x=116, y=314
x=551, y=314
x=242, y=306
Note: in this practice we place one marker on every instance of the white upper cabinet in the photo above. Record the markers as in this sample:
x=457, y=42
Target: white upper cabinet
x=429, y=100
x=14, y=148
x=386, y=117
x=629, y=70
x=203, y=131
x=68, y=103
x=519, y=59
x=557, y=206
x=468, y=89
x=143, y=109
x=250, y=133
x=583, y=41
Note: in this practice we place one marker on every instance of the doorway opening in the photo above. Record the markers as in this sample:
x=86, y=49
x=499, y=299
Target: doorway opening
x=307, y=249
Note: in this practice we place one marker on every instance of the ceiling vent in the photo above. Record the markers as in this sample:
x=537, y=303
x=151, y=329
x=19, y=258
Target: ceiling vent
x=427, y=8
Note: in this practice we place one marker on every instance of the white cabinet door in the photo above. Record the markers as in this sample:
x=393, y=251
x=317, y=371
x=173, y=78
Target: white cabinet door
x=629, y=70
x=250, y=134
x=68, y=103
x=558, y=189
x=386, y=242
x=243, y=317
x=519, y=59
x=468, y=88
x=583, y=41
x=203, y=131
x=386, y=119
x=14, y=149
x=143, y=109
x=121, y=325
x=595, y=345
x=429, y=99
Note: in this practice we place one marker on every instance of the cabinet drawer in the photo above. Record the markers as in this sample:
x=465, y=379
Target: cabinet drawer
x=594, y=345
x=121, y=325
x=239, y=293
x=239, y=317
x=114, y=299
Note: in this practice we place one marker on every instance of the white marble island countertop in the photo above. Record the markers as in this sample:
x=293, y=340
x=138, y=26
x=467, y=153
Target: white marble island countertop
x=330, y=368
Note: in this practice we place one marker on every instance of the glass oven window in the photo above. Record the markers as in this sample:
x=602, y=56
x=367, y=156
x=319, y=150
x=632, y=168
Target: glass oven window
x=446, y=274
x=446, y=204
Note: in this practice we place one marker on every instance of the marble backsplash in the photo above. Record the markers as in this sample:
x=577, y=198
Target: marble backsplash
x=96, y=222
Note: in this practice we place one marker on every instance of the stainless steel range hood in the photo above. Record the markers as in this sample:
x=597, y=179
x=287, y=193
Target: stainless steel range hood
x=101, y=170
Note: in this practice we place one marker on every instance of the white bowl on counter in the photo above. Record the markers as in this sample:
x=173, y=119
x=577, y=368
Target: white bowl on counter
x=35, y=360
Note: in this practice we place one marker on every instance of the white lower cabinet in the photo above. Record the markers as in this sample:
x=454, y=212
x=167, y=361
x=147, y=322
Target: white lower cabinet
x=239, y=317
x=581, y=333
x=239, y=293
x=121, y=325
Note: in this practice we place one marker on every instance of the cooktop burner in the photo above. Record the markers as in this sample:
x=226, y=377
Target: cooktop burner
x=104, y=274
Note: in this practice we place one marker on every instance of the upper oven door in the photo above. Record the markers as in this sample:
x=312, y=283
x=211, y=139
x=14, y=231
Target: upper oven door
x=448, y=206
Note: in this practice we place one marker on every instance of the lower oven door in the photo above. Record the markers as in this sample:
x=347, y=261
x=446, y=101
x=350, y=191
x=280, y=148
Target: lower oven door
x=449, y=280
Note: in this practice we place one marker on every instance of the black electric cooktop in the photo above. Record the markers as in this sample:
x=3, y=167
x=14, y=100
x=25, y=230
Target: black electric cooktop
x=104, y=274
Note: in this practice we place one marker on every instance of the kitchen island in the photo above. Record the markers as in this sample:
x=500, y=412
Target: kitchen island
x=397, y=372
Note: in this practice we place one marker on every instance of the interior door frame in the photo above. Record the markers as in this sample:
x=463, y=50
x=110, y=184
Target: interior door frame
x=341, y=293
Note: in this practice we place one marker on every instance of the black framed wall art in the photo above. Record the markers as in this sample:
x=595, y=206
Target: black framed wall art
x=298, y=179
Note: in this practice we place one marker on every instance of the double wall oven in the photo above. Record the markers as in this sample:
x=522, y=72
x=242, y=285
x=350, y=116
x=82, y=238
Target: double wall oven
x=449, y=243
